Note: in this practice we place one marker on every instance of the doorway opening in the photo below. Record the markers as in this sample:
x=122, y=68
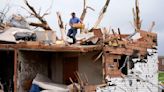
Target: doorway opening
x=7, y=70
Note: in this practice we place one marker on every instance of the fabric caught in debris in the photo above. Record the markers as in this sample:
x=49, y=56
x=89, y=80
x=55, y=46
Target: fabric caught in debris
x=47, y=86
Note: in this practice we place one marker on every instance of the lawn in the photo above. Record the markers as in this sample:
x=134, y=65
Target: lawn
x=161, y=76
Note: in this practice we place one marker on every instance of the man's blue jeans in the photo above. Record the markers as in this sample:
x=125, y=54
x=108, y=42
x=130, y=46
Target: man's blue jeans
x=72, y=33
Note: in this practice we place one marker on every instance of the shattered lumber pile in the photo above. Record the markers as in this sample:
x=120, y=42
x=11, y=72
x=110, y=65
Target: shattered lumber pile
x=122, y=44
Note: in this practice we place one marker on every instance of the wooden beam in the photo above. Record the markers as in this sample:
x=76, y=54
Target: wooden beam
x=151, y=26
x=119, y=34
x=15, y=69
x=61, y=26
x=136, y=16
x=102, y=13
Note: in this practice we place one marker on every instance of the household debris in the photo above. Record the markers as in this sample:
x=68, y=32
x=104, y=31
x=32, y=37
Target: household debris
x=46, y=85
x=14, y=34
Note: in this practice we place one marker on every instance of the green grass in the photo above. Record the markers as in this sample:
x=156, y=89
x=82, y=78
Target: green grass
x=161, y=77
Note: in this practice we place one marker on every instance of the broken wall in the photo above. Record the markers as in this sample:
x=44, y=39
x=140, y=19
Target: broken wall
x=57, y=68
x=85, y=62
x=29, y=64
x=142, y=77
x=93, y=70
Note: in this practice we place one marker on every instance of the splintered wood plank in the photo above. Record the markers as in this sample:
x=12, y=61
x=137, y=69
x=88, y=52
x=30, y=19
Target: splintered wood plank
x=101, y=15
x=53, y=48
x=15, y=69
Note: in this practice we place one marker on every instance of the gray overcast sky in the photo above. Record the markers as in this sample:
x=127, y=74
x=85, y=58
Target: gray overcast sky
x=119, y=13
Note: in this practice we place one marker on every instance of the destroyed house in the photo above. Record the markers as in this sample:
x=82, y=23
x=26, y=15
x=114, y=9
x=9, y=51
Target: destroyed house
x=115, y=58
x=101, y=61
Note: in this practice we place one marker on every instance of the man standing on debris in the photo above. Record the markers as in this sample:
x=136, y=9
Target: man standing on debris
x=73, y=30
